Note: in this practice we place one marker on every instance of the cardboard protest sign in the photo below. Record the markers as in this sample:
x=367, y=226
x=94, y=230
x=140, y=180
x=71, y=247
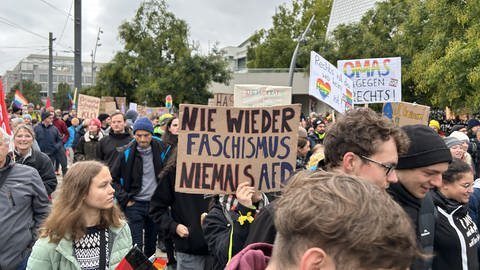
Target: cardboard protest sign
x=103, y=100
x=211, y=102
x=225, y=100
x=220, y=147
x=404, y=113
x=132, y=106
x=329, y=85
x=256, y=95
x=88, y=106
x=110, y=107
x=375, y=80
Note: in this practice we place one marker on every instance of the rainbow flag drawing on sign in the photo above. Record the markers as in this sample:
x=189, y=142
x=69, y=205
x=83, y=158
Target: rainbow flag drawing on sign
x=348, y=99
x=19, y=100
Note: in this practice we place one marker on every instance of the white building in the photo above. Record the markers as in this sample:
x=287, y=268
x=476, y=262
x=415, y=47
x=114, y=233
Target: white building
x=35, y=67
x=348, y=11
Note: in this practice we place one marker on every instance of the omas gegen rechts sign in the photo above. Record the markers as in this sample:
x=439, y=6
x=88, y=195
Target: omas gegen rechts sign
x=375, y=80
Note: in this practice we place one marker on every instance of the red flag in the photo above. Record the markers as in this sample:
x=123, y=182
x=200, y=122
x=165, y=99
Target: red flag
x=3, y=111
x=47, y=103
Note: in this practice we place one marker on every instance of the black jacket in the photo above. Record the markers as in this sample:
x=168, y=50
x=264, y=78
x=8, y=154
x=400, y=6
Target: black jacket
x=186, y=209
x=456, y=235
x=222, y=230
x=422, y=213
x=42, y=163
x=86, y=148
x=107, y=148
x=128, y=169
x=263, y=229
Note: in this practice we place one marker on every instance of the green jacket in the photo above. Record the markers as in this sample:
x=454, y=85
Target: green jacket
x=51, y=256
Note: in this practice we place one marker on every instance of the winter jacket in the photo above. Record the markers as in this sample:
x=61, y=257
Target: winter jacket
x=226, y=228
x=87, y=147
x=186, y=209
x=43, y=165
x=62, y=129
x=80, y=130
x=456, y=236
x=71, y=136
x=422, y=214
x=253, y=257
x=127, y=171
x=315, y=138
x=263, y=229
x=51, y=256
x=23, y=207
x=108, y=147
x=48, y=139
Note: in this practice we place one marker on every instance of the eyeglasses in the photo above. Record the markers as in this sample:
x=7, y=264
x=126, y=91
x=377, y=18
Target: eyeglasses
x=466, y=185
x=389, y=168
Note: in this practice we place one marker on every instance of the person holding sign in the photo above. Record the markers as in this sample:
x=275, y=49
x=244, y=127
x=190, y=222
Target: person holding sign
x=227, y=223
x=361, y=143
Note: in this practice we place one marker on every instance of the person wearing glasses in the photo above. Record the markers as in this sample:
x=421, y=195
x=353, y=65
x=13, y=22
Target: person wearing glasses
x=419, y=171
x=456, y=235
x=361, y=143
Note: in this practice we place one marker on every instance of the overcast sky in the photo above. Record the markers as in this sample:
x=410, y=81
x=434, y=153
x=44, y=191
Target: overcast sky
x=25, y=24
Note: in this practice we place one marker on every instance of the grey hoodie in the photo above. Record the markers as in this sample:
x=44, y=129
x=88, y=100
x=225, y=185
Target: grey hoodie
x=23, y=207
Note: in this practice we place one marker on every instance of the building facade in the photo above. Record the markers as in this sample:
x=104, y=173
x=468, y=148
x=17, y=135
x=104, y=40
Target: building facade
x=35, y=67
x=348, y=11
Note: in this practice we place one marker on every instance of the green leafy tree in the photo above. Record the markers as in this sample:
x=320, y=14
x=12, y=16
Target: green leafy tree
x=61, y=100
x=157, y=60
x=273, y=48
x=29, y=89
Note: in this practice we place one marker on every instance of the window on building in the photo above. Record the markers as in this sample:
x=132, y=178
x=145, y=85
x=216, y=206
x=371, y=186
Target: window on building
x=43, y=77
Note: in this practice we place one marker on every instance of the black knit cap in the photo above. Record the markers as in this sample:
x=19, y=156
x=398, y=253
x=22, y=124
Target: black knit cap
x=426, y=148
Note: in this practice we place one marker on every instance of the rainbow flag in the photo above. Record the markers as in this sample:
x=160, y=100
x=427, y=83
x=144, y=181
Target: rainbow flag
x=349, y=99
x=19, y=100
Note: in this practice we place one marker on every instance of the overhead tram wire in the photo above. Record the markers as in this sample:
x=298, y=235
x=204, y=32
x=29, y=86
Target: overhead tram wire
x=66, y=22
x=57, y=9
x=12, y=24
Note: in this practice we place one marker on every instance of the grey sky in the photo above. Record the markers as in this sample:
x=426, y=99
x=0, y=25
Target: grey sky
x=228, y=22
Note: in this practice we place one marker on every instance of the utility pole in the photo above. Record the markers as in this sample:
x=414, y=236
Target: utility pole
x=50, y=64
x=94, y=53
x=78, y=45
x=301, y=39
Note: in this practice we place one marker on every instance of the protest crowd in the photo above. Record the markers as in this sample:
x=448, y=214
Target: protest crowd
x=363, y=193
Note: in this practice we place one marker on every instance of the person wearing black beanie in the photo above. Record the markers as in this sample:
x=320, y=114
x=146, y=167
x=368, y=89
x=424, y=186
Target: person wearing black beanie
x=418, y=171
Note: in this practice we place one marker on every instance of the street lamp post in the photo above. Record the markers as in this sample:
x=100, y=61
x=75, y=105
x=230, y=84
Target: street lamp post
x=295, y=52
x=94, y=53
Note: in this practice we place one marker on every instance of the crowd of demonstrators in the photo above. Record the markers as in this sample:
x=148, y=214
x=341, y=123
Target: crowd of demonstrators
x=360, y=150
x=456, y=235
x=135, y=180
x=314, y=234
x=85, y=228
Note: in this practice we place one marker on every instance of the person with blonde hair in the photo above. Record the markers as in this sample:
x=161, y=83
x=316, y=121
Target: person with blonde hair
x=25, y=153
x=85, y=228
x=324, y=221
